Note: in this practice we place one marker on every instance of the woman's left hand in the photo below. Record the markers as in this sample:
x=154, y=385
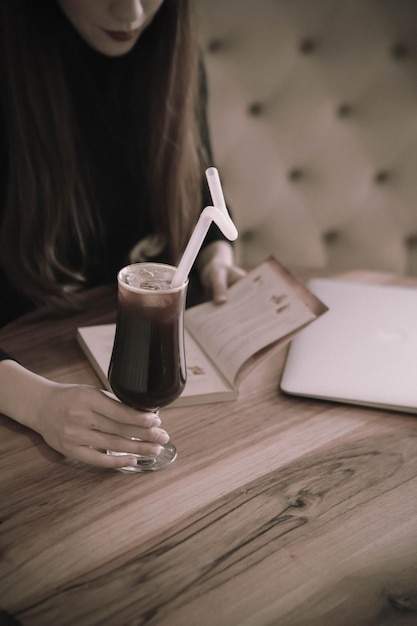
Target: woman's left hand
x=217, y=270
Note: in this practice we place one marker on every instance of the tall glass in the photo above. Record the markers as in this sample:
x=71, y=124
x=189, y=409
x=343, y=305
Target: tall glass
x=147, y=368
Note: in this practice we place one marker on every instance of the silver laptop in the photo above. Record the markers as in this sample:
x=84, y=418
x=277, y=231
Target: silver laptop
x=362, y=351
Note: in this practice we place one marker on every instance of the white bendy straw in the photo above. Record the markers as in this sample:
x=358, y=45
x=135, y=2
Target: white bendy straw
x=218, y=214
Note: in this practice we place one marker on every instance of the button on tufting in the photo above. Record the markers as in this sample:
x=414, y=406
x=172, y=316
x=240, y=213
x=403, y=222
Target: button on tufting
x=344, y=109
x=411, y=241
x=247, y=236
x=400, y=51
x=296, y=174
x=216, y=45
x=330, y=237
x=382, y=177
x=308, y=45
x=256, y=109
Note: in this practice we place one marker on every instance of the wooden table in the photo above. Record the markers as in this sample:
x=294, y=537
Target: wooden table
x=278, y=511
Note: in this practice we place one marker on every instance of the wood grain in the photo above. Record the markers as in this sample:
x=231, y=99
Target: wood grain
x=278, y=511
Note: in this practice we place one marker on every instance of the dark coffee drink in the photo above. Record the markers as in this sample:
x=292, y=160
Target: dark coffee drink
x=147, y=368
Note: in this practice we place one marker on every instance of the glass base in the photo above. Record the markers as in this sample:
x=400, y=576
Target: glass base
x=167, y=455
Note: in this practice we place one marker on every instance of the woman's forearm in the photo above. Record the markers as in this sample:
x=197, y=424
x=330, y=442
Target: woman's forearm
x=79, y=421
x=21, y=391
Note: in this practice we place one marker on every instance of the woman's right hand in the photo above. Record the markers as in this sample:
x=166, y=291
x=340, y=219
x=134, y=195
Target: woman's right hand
x=79, y=421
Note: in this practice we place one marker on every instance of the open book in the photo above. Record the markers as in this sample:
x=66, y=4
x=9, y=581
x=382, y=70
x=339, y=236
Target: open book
x=264, y=310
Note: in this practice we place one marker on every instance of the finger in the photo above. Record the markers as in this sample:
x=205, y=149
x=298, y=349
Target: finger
x=222, y=277
x=218, y=280
x=111, y=408
x=90, y=456
x=235, y=274
x=135, y=445
x=105, y=425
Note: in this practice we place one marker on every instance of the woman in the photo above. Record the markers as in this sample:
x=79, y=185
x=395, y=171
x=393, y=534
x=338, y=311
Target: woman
x=105, y=142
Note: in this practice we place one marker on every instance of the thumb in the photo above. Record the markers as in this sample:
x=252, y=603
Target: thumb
x=219, y=284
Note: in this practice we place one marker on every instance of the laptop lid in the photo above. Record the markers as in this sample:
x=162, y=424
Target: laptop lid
x=362, y=351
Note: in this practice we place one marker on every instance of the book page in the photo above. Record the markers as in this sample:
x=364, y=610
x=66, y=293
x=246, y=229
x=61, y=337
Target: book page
x=261, y=309
x=204, y=381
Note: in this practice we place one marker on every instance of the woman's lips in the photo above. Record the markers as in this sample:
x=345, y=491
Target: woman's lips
x=121, y=35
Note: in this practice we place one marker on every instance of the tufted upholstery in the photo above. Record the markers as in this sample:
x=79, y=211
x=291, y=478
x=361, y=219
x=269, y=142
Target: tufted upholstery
x=313, y=111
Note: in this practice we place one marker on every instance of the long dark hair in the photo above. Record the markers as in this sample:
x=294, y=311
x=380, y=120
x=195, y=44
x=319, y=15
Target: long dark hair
x=48, y=195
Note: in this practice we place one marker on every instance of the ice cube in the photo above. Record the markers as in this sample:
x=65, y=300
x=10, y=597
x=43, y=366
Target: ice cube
x=149, y=277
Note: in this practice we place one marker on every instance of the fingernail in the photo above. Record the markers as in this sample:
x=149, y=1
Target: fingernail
x=131, y=461
x=155, y=450
x=156, y=422
x=163, y=437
